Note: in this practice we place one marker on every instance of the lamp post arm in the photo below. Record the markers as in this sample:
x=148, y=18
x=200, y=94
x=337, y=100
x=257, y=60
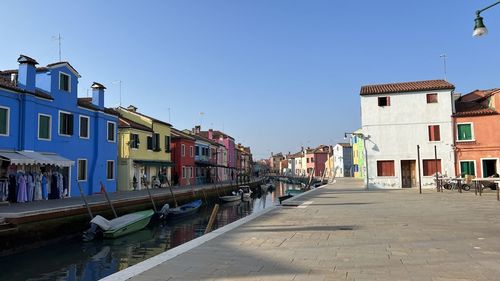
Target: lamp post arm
x=482, y=10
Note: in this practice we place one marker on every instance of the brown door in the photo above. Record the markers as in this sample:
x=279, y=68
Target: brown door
x=408, y=178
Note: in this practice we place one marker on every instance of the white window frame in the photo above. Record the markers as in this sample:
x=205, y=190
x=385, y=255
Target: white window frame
x=69, y=82
x=59, y=123
x=475, y=166
x=107, y=163
x=183, y=150
x=191, y=151
x=114, y=131
x=473, y=136
x=80, y=126
x=489, y=158
x=183, y=172
x=50, y=127
x=7, y=133
x=78, y=169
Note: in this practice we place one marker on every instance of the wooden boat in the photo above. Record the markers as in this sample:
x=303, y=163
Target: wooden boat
x=119, y=226
x=230, y=198
x=181, y=211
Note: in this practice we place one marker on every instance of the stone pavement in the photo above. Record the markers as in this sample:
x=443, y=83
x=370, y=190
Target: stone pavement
x=347, y=233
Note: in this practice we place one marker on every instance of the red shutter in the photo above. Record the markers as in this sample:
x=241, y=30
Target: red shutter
x=385, y=168
x=434, y=133
x=388, y=101
x=429, y=167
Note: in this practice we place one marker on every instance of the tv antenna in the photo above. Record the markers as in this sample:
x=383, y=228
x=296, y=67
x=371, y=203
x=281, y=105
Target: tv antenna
x=58, y=38
x=444, y=56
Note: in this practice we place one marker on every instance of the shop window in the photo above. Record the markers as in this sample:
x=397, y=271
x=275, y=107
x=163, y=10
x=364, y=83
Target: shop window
x=434, y=133
x=82, y=170
x=429, y=167
x=385, y=168
x=44, y=127
x=384, y=101
x=65, y=124
x=464, y=132
x=110, y=170
x=432, y=98
x=4, y=121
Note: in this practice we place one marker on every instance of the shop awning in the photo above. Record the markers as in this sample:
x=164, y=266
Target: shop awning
x=154, y=163
x=32, y=158
x=16, y=158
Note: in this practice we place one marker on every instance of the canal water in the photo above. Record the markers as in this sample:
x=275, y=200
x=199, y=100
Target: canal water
x=73, y=259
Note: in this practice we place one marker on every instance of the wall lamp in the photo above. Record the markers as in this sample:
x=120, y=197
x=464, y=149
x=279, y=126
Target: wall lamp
x=479, y=27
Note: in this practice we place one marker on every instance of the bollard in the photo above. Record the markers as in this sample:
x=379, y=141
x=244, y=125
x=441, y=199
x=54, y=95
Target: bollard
x=475, y=188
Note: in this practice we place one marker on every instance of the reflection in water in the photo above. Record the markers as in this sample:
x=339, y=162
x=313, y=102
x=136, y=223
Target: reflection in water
x=73, y=259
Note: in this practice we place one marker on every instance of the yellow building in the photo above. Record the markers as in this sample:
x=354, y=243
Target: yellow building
x=143, y=150
x=358, y=154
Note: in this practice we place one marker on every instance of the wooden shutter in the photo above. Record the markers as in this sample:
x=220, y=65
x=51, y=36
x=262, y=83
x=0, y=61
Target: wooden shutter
x=385, y=168
x=388, y=101
x=429, y=167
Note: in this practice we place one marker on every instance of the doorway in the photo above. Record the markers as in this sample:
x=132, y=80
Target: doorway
x=408, y=174
x=489, y=167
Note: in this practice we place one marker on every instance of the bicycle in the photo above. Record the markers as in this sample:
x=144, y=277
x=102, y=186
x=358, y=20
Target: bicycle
x=452, y=184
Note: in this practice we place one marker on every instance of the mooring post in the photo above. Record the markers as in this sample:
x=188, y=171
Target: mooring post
x=419, y=177
x=103, y=189
x=151, y=198
x=212, y=218
x=85, y=200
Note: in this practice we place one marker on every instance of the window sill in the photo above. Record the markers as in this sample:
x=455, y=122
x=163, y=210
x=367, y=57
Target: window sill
x=41, y=139
x=465, y=141
x=64, y=135
x=84, y=138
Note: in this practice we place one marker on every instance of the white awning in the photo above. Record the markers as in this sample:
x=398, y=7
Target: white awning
x=32, y=157
x=16, y=158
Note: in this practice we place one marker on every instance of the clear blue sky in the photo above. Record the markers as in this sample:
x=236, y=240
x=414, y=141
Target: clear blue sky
x=274, y=74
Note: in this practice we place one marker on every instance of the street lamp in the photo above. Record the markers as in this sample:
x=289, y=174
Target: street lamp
x=364, y=138
x=479, y=27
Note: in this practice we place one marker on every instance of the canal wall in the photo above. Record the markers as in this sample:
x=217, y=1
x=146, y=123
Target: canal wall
x=27, y=230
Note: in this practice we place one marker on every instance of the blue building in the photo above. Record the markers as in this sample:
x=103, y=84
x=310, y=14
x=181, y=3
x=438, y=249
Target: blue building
x=46, y=128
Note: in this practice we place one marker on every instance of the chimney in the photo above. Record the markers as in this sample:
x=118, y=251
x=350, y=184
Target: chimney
x=27, y=73
x=98, y=95
x=210, y=133
x=132, y=108
x=197, y=129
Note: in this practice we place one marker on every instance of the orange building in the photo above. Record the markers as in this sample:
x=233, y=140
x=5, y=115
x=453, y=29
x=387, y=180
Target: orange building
x=477, y=133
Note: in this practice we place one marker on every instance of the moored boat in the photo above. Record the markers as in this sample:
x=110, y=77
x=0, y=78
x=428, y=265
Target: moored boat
x=119, y=226
x=181, y=211
x=230, y=198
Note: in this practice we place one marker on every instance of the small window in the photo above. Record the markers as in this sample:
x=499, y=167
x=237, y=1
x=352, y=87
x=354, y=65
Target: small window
x=110, y=170
x=82, y=170
x=65, y=124
x=183, y=172
x=134, y=141
x=464, y=132
x=44, y=127
x=430, y=166
x=150, y=142
x=156, y=142
x=191, y=151
x=467, y=168
x=167, y=143
x=111, y=131
x=434, y=133
x=197, y=150
x=385, y=168
x=432, y=98
x=4, y=121
x=64, y=82
x=312, y=159
x=384, y=101
x=84, y=127
x=183, y=150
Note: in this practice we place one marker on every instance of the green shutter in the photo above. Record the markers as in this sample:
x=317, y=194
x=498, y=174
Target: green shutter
x=3, y=121
x=467, y=168
x=464, y=132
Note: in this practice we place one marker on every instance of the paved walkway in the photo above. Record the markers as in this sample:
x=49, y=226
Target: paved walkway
x=346, y=233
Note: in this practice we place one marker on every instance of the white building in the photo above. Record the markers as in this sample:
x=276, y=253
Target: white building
x=396, y=118
x=342, y=160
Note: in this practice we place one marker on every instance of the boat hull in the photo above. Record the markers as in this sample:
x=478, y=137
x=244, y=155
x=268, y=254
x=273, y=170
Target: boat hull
x=131, y=227
x=230, y=198
x=188, y=210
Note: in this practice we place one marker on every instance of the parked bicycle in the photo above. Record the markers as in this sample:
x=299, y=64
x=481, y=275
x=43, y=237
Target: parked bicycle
x=452, y=184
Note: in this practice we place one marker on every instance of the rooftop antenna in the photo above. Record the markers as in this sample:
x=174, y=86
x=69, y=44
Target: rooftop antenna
x=444, y=56
x=119, y=82
x=59, y=39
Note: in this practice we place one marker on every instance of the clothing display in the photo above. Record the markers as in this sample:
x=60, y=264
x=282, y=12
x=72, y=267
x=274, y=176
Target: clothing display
x=4, y=189
x=22, y=193
x=38, y=187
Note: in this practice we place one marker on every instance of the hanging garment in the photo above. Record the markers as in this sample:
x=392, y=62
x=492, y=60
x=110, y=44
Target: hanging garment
x=54, y=191
x=44, y=187
x=4, y=190
x=30, y=187
x=38, y=187
x=60, y=185
x=12, y=188
x=22, y=195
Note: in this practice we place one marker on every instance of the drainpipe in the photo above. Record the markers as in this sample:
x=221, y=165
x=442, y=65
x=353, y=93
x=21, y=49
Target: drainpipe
x=96, y=153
